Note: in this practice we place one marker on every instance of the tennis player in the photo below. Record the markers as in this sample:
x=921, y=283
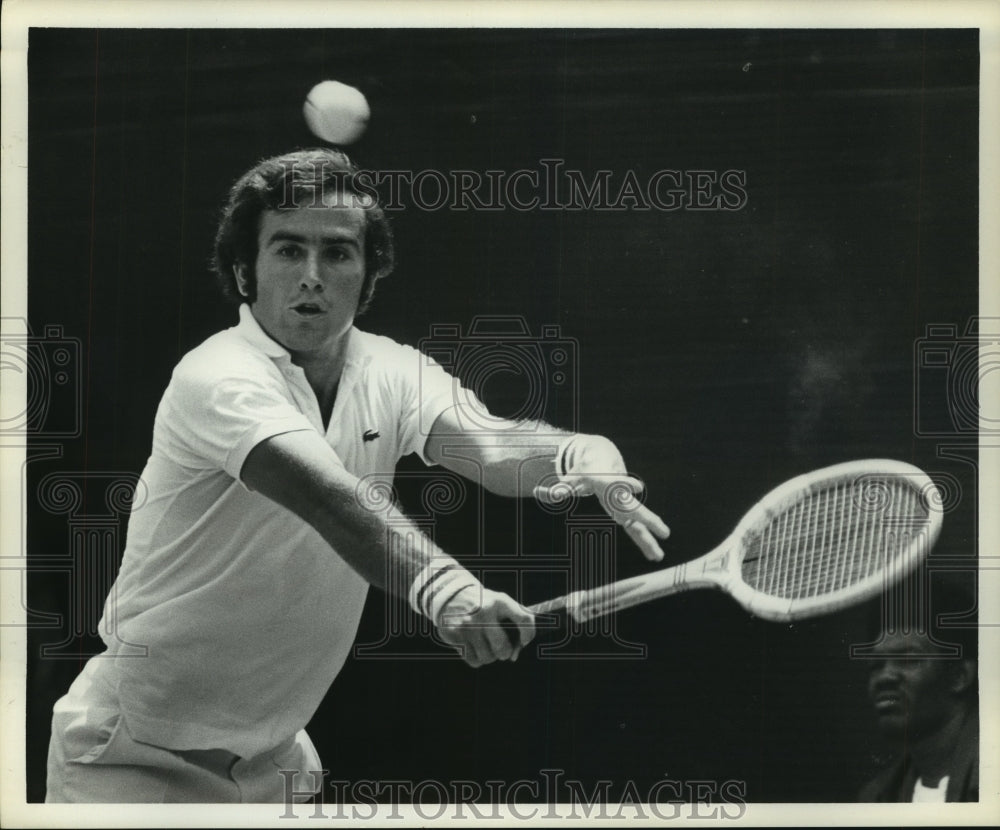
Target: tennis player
x=247, y=565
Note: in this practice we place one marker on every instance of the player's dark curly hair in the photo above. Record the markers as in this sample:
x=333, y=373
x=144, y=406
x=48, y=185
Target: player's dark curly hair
x=297, y=179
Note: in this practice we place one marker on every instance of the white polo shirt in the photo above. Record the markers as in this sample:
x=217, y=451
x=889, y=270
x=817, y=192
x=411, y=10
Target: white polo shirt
x=230, y=616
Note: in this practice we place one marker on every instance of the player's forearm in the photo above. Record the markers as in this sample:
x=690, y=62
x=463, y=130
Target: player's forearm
x=299, y=472
x=385, y=547
x=509, y=461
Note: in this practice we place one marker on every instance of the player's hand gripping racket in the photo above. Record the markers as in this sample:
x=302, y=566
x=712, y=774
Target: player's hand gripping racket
x=817, y=543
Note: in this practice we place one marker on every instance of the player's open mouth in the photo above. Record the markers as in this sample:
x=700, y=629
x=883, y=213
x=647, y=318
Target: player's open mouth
x=308, y=309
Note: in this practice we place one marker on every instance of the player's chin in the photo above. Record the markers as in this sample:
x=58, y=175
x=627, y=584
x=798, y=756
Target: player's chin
x=305, y=336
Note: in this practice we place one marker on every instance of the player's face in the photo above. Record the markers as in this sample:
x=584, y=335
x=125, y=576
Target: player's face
x=911, y=689
x=310, y=269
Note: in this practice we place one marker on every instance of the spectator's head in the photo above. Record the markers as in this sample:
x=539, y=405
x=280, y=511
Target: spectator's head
x=924, y=667
x=916, y=686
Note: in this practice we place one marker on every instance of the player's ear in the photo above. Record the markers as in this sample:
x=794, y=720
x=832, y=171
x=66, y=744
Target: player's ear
x=240, y=272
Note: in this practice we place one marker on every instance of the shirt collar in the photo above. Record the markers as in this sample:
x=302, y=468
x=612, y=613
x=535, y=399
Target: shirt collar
x=250, y=330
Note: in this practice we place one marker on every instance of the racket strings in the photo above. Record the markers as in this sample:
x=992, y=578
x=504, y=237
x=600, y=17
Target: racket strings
x=835, y=538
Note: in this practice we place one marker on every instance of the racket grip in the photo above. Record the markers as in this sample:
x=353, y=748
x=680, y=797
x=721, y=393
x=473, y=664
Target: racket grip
x=616, y=596
x=570, y=602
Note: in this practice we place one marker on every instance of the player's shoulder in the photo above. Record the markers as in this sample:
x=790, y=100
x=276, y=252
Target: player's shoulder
x=395, y=368
x=368, y=342
x=382, y=351
x=224, y=355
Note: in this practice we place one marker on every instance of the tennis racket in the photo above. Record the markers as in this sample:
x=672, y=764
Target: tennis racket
x=818, y=543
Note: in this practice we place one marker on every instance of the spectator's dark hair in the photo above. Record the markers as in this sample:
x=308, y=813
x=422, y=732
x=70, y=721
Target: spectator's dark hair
x=943, y=610
x=298, y=179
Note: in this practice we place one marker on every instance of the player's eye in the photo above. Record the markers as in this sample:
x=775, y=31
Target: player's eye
x=289, y=251
x=337, y=254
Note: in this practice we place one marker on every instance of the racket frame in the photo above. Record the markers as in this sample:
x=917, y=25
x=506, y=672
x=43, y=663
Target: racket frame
x=721, y=568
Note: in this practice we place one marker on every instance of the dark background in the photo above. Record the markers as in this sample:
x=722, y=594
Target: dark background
x=723, y=351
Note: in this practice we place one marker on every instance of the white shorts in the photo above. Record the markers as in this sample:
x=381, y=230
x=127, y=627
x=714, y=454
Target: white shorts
x=93, y=758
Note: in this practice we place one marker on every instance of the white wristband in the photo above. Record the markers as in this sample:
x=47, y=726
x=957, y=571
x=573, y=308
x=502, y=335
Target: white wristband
x=426, y=577
x=436, y=585
x=560, y=460
x=451, y=585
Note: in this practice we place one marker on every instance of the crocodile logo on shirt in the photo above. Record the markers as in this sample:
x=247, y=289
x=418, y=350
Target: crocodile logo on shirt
x=370, y=435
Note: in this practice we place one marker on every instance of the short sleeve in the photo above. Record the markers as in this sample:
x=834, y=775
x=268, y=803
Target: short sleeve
x=213, y=421
x=427, y=391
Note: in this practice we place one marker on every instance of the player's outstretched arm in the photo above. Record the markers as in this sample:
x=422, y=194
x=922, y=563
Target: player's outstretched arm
x=301, y=472
x=531, y=459
x=591, y=465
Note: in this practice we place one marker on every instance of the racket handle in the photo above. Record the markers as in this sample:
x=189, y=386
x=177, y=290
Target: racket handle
x=552, y=605
x=615, y=596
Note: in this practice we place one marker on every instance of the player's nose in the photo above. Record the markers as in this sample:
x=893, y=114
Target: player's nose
x=311, y=275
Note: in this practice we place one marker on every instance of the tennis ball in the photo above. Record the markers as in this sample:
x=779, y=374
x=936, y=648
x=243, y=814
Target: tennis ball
x=336, y=112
